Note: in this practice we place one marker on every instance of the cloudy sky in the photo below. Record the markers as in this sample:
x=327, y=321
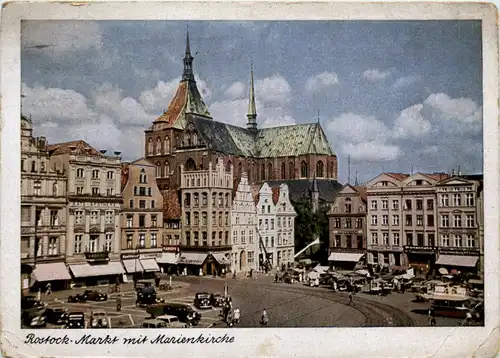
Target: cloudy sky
x=392, y=95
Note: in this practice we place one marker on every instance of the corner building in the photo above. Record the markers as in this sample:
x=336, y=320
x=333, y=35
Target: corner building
x=186, y=135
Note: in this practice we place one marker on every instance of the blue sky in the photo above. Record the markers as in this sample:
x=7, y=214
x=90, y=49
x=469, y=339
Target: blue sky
x=392, y=95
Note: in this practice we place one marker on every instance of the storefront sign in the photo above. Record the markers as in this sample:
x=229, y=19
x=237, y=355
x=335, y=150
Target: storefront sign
x=385, y=248
x=130, y=256
x=420, y=249
x=459, y=251
x=170, y=249
x=97, y=256
x=150, y=255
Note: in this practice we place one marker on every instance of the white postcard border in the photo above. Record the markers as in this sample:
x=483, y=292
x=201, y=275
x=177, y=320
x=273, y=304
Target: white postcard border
x=297, y=342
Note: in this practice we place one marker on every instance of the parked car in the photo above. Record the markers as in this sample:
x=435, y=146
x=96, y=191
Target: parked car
x=172, y=321
x=93, y=295
x=56, y=315
x=34, y=317
x=28, y=302
x=184, y=312
x=75, y=320
x=146, y=295
x=217, y=300
x=153, y=323
x=202, y=300
x=99, y=319
x=79, y=297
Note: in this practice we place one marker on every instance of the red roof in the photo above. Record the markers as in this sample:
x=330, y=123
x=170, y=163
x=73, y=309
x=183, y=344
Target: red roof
x=362, y=191
x=171, y=205
x=176, y=105
x=398, y=176
x=74, y=147
x=276, y=195
x=438, y=176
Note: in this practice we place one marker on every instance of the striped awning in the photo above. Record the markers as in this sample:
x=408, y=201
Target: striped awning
x=87, y=270
x=457, y=260
x=132, y=265
x=345, y=257
x=168, y=258
x=150, y=265
x=192, y=258
x=51, y=272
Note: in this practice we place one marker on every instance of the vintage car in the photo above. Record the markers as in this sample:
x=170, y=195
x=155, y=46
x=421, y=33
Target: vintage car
x=202, y=300
x=34, y=317
x=217, y=299
x=75, y=320
x=93, y=295
x=172, y=321
x=28, y=302
x=153, y=323
x=56, y=315
x=146, y=295
x=184, y=312
x=79, y=297
x=99, y=319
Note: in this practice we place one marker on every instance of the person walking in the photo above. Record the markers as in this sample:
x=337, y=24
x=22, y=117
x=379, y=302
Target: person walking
x=264, y=320
x=351, y=300
x=236, y=315
x=276, y=278
x=48, y=289
x=118, y=304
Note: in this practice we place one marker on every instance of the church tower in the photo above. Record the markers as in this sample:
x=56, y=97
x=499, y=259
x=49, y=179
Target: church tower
x=252, y=111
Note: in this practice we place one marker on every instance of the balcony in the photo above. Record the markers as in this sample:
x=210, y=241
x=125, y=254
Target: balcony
x=97, y=256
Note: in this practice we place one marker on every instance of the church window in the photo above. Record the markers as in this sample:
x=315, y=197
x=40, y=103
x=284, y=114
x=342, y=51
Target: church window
x=158, y=170
x=303, y=169
x=166, y=145
x=262, y=172
x=319, y=169
x=158, y=146
x=150, y=146
x=270, y=171
x=229, y=163
x=195, y=139
x=283, y=171
x=239, y=169
x=291, y=171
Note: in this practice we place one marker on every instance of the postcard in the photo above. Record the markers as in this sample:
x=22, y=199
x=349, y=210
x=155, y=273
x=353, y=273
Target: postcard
x=249, y=179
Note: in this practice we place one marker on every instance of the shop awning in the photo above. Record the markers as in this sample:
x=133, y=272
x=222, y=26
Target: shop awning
x=51, y=272
x=345, y=257
x=87, y=270
x=132, y=265
x=150, y=265
x=192, y=258
x=457, y=260
x=168, y=258
x=221, y=259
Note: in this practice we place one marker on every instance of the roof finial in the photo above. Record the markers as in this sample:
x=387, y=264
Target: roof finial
x=188, y=60
x=252, y=111
x=318, y=116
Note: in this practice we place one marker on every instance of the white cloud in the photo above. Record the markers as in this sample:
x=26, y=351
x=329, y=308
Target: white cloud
x=235, y=91
x=232, y=112
x=274, y=89
x=411, y=123
x=61, y=36
x=405, y=81
x=371, y=151
x=375, y=75
x=321, y=81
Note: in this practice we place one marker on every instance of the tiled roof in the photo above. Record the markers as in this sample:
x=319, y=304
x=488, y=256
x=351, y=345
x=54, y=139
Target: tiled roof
x=362, y=191
x=301, y=188
x=75, y=147
x=171, y=205
x=438, y=176
x=398, y=176
x=187, y=99
x=276, y=194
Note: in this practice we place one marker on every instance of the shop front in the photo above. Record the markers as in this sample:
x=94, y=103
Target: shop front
x=97, y=273
x=345, y=260
x=132, y=265
x=454, y=260
x=216, y=263
x=190, y=263
x=421, y=258
x=168, y=260
x=386, y=258
x=149, y=264
x=55, y=273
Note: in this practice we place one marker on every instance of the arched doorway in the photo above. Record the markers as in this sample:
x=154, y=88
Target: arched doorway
x=243, y=260
x=190, y=165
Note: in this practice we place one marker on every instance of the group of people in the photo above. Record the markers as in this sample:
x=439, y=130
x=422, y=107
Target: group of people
x=229, y=315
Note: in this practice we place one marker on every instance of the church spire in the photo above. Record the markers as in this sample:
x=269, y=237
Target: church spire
x=187, y=74
x=252, y=111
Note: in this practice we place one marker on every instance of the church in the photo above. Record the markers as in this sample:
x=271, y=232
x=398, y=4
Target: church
x=186, y=135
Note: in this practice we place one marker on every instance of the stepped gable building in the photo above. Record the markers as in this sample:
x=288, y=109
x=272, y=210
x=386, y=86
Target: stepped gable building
x=185, y=134
x=93, y=218
x=43, y=214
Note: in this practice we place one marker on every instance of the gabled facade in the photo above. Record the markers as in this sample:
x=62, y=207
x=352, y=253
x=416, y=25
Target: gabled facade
x=347, y=227
x=401, y=219
x=285, y=227
x=185, y=134
x=141, y=219
x=245, y=245
x=266, y=229
x=460, y=222
x=43, y=212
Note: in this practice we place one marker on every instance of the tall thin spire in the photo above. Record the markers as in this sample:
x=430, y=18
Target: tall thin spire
x=252, y=111
x=356, y=180
x=349, y=169
x=187, y=75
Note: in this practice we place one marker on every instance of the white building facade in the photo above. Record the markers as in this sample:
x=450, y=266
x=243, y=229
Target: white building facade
x=245, y=245
x=285, y=227
x=266, y=227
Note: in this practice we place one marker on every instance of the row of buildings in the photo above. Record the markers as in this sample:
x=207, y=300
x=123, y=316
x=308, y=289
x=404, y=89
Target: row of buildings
x=425, y=221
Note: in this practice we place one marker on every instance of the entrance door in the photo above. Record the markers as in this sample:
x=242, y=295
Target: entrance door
x=243, y=260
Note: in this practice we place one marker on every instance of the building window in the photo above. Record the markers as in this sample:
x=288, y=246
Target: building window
x=78, y=217
x=188, y=238
x=204, y=199
x=430, y=220
x=457, y=200
x=196, y=238
x=444, y=200
x=108, y=242
x=431, y=240
x=348, y=206
x=109, y=217
x=109, y=192
x=154, y=242
x=374, y=238
x=250, y=236
x=78, y=244
x=385, y=238
x=385, y=220
x=110, y=175
x=420, y=239
x=445, y=221
x=93, y=243
x=374, y=205
x=166, y=145
x=408, y=204
x=395, y=238
x=153, y=204
x=374, y=219
x=54, y=189
x=226, y=237
x=359, y=242
x=471, y=241
x=188, y=219
x=470, y=220
x=408, y=220
x=95, y=174
x=469, y=199
x=130, y=220
x=419, y=204
x=359, y=223
x=272, y=224
x=445, y=240
x=52, y=246
x=142, y=204
x=142, y=220
x=420, y=220
x=54, y=220
x=348, y=223
x=142, y=240
x=37, y=189
x=457, y=241
x=227, y=218
x=395, y=205
x=196, y=200
x=243, y=238
x=319, y=169
x=94, y=217
x=235, y=237
x=204, y=218
x=385, y=204
x=409, y=238
x=79, y=190
x=129, y=241
x=95, y=191
x=303, y=169
x=395, y=220
x=457, y=220
x=338, y=241
x=154, y=221
x=79, y=173
x=430, y=204
x=33, y=166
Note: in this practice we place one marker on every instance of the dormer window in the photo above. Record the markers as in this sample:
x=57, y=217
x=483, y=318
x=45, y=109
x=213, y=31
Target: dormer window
x=384, y=183
x=418, y=182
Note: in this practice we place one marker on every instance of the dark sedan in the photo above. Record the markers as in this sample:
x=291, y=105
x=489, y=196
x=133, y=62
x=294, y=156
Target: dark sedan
x=217, y=300
x=75, y=320
x=202, y=300
x=56, y=315
x=93, y=295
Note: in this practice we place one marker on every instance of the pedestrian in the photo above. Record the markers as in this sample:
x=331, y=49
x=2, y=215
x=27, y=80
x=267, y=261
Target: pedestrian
x=237, y=315
x=157, y=280
x=403, y=287
x=48, y=289
x=351, y=301
x=276, y=277
x=334, y=286
x=118, y=304
x=264, y=320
